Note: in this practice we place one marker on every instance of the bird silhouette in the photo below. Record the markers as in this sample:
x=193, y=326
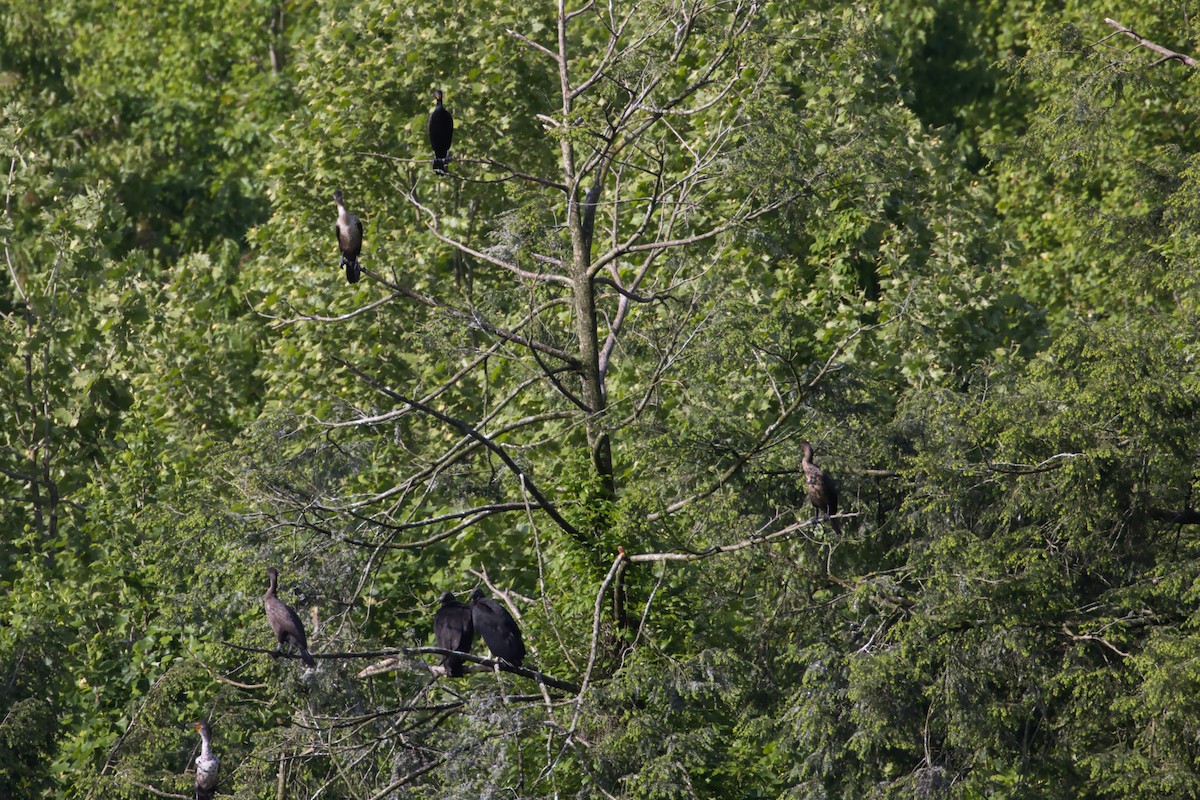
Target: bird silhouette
x=453, y=629
x=497, y=627
x=441, y=134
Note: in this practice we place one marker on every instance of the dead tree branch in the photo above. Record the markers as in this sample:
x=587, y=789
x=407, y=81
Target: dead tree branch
x=1167, y=55
x=390, y=652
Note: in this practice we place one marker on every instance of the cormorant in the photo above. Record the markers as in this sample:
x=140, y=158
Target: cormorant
x=349, y=235
x=497, y=627
x=206, y=764
x=441, y=134
x=287, y=626
x=453, y=630
x=822, y=492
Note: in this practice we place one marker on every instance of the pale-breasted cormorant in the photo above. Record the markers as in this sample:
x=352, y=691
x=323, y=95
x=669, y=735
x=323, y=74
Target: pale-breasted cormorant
x=441, y=134
x=822, y=492
x=287, y=626
x=497, y=627
x=206, y=764
x=453, y=630
x=349, y=235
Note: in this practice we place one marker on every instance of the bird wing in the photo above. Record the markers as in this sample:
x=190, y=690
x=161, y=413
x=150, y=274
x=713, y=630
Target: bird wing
x=453, y=628
x=831, y=493
x=284, y=620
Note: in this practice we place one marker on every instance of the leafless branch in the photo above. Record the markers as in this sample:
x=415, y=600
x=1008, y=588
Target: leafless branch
x=145, y=787
x=409, y=778
x=487, y=442
x=388, y=652
x=1046, y=465
x=596, y=617
x=1167, y=55
x=709, y=552
x=1088, y=637
x=279, y=322
x=433, y=226
x=539, y=47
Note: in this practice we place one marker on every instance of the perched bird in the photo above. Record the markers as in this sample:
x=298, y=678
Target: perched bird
x=441, y=134
x=349, y=235
x=822, y=492
x=453, y=630
x=497, y=627
x=287, y=626
x=206, y=764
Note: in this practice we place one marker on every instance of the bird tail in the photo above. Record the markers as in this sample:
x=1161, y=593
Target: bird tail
x=307, y=658
x=837, y=525
x=440, y=165
x=353, y=271
x=205, y=794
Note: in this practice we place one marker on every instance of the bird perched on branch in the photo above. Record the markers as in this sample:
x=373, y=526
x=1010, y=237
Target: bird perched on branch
x=497, y=627
x=453, y=630
x=350, y=236
x=287, y=626
x=206, y=764
x=822, y=492
x=441, y=134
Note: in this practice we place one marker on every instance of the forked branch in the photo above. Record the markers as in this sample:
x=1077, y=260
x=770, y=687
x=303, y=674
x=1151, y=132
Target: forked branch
x=484, y=440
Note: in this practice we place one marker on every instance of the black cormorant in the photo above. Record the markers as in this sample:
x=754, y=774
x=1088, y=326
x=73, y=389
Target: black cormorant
x=822, y=492
x=441, y=134
x=287, y=626
x=453, y=630
x=497, y=627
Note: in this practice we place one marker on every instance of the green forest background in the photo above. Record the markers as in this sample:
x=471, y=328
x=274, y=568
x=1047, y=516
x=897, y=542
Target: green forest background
x=952, y=244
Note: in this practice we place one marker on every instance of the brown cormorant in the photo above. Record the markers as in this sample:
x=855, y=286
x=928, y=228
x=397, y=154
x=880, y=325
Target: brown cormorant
x=287, y=626
x=453, y=630
x=441, y=134
x=349, y=235
x=497, y=627
x=206, y=764
x=822, y=492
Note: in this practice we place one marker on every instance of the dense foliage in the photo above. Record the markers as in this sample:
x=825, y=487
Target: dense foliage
x=949, y=245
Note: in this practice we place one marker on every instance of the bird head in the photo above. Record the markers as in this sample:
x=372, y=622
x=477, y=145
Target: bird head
x=447, y=598
x=438, y=95
x=337, y=197
x=477, y=594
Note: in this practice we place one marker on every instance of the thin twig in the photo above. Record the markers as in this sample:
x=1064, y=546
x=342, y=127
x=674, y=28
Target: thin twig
x=596, y=616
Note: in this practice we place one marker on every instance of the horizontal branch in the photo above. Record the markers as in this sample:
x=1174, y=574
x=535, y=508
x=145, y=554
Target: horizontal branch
x=1045, y=465
x=1168, y=55
x=709, y=552
x=1185, y=517
x=513, y=173
x=491, y=663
